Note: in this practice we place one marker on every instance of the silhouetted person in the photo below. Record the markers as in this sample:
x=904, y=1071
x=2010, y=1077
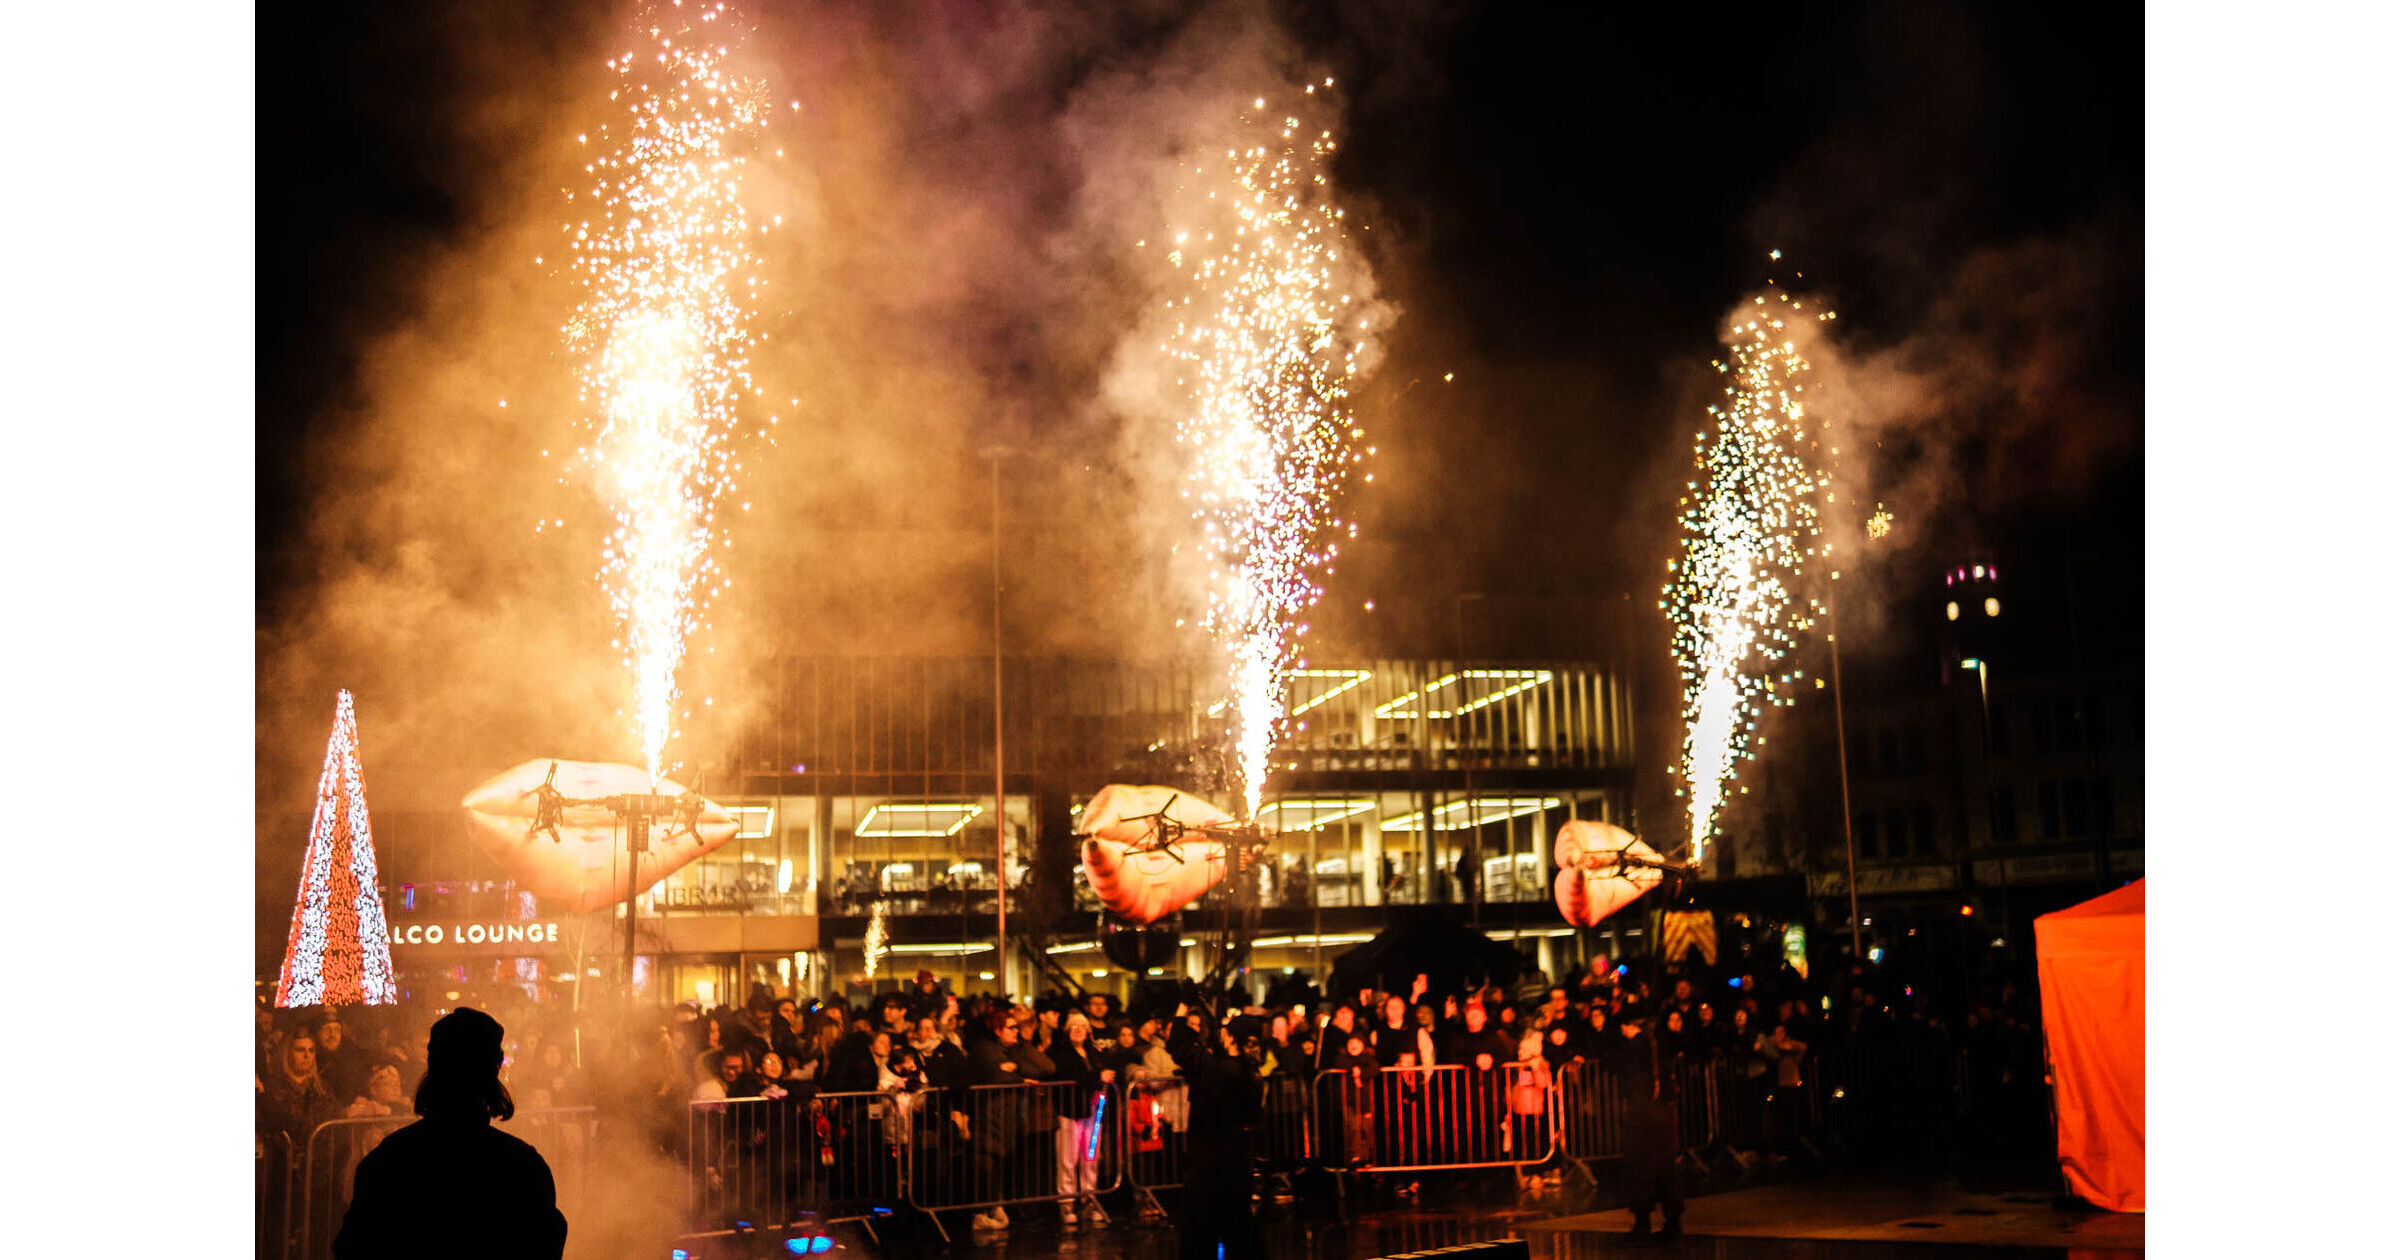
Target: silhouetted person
x=451, y=1185
x=1216, y=1220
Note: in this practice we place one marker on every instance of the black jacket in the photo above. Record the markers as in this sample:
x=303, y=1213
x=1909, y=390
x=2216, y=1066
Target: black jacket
x=455, y=1188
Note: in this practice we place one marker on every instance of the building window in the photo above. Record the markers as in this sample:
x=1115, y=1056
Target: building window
x=2004, y=814
x=1999, y=720
x=1868, y=845
x=2041, y=727
x=1916, y=749
x=1895, y=829
x=2070, y=724
x=1888, y=745
x=2104, y=805
x=2050, y=820
x=1922, y=820
x=1858, y=753
x=2079, y=808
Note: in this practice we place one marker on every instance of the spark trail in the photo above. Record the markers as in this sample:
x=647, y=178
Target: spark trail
x=1748, y=528
x=663, y=253
x=1269, y=341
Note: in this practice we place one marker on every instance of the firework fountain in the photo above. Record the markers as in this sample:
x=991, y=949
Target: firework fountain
x=1269, y=345
x=663, y=251
x=1749, y=525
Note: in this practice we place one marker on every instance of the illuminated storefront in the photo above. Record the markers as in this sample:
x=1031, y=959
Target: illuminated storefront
x=866, y=783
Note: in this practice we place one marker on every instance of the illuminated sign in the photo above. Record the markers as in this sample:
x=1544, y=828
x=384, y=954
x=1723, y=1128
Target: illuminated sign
x=471, y=934
x=1475, y=688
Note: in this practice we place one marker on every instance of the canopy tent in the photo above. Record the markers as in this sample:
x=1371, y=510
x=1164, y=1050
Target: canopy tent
x=2092, y=973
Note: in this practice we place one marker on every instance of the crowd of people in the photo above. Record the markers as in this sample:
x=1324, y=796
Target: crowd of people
x=923, y=1046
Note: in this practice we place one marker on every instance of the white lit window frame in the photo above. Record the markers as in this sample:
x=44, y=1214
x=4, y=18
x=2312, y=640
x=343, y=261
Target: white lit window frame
x=1518, y=681
x=1318, y=809
x=1453, y=816
x=965, y=811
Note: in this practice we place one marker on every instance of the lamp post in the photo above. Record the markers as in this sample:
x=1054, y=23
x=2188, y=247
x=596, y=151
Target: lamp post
x=999, y=745
x=1466, y=766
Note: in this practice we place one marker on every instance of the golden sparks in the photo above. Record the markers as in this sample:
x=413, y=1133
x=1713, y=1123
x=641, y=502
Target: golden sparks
x=1271, y=343
x=664, y=259
x=1748, y=527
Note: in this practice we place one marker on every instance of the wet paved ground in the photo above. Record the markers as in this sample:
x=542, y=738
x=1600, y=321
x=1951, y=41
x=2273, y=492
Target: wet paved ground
x=1878, y=1217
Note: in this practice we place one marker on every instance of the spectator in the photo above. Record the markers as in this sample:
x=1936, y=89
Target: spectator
x=1095, y=1009
x=786, y=1032
x=451, y=1183
x=994, y=1061
x=383, y=1096
x=1394, y=1034
x=1478, y=1045
x=1076, y=1060
x=294, y=1099
x=721, y=1078
x=1598, y=980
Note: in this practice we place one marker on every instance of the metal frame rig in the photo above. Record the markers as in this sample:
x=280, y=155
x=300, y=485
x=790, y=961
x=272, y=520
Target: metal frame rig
x=1675, y=875
x=1227, y=946
x=634, y=812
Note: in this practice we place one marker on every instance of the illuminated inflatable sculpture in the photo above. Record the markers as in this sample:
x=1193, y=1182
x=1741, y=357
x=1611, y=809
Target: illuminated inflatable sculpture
x=565, y=829
x=1602, y=868
x=1150, y=851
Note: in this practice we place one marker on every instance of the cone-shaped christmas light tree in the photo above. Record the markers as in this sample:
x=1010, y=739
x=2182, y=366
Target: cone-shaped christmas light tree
x=339, y=950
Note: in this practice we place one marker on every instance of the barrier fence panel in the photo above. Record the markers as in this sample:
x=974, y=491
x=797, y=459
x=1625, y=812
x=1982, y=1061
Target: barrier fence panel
x=1591, y=1113
x=1287, y=1126
x=273, y=1207
x=768, y=1161
x=1413, y=1119
x=1156, y=1120
x=1018, y=1144
x=1695, y=1105
x=329, y=1163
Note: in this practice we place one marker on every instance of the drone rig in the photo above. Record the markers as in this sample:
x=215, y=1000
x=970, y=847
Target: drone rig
x=1225, y=927
x=634, y=813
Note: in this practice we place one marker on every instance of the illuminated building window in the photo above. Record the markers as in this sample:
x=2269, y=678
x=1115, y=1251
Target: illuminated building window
x=927, y=819
x=1488, y=809
x=1953, y=610
x=1309, y=815
x=1471, y=689
x=1991, y=607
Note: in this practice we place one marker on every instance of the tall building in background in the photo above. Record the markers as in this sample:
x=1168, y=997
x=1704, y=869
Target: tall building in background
x=865, y=785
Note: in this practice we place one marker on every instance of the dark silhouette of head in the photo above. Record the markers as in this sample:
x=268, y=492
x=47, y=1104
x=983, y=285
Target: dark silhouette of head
x=462, y=1069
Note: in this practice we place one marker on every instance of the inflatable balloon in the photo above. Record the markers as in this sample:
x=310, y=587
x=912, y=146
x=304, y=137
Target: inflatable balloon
x=1143, y=883
x=1593, y=880
x=583, y=867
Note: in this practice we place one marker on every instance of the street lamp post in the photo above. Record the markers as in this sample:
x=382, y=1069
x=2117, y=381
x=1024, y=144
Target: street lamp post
x=999, y=746
x=1466, y=766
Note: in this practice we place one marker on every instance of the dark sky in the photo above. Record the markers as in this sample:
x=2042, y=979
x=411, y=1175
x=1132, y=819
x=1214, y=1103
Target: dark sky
x=1561, y=200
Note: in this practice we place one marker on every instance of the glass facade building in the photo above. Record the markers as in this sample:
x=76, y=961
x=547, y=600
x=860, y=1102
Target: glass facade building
x=864, y=786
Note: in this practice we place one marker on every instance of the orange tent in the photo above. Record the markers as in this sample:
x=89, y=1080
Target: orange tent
x=2092, y=969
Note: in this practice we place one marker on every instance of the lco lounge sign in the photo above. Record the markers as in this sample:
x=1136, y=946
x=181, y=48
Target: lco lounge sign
x=470, y=934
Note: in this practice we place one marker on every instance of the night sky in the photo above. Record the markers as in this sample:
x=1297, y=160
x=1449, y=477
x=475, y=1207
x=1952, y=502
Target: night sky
x=1561, y=200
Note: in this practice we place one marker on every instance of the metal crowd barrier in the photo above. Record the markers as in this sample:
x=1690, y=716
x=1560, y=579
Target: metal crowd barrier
x=1591, y=1112
x=1053, y=1141
x=1157, y=1117
x=1287, y=1125
x=563, y=1135
x=767, y=1162
x=1424, y=1119
x=272, y=1209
